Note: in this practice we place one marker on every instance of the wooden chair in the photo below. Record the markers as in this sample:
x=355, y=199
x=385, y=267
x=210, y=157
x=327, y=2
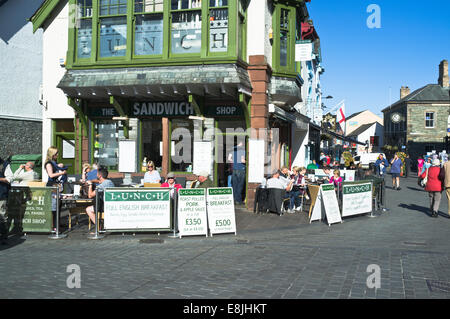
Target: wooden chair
x=152, y=184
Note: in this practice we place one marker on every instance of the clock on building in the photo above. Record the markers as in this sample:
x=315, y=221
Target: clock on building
x=395, y=117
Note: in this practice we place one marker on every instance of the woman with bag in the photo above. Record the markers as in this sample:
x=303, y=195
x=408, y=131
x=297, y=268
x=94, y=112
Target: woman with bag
x=434, y=178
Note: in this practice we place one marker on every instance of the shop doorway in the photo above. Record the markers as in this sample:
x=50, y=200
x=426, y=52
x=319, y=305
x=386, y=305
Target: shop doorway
x=152, y=141
x=230, y=145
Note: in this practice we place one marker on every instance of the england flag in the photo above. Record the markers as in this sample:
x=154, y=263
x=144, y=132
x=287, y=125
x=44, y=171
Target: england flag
x=340, y=117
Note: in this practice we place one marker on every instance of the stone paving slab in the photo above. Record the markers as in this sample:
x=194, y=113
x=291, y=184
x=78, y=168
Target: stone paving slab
x=271, y=257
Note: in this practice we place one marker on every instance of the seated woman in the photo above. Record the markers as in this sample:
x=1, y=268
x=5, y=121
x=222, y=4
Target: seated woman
x=298, y=188
x=170, y=182
x=152, y=175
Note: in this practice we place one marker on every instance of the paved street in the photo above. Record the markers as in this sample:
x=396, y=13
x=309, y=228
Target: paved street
x=271, y=257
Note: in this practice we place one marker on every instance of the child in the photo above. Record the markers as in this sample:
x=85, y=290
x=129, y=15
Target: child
x=336, y=179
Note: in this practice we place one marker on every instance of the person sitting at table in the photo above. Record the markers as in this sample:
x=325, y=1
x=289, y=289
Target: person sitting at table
x=152, y=175
x=170, y=182
x=327, y=172
x=336, y=179
x=24, y=174
x=277, y=183
x=102, y=175
x=86, y=168
x=202, y=181
x=298, y=188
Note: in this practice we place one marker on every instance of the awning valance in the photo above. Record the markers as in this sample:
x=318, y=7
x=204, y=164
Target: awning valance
x=161, y=83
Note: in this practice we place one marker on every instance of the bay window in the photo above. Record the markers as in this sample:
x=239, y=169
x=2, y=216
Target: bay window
x=113, y=28
x=148, y=30
x=84, y=28
x=186, y=27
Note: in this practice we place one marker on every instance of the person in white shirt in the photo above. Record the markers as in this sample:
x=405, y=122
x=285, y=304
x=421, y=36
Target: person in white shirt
x=152, y=175
x=277, y=182
x=24, y=174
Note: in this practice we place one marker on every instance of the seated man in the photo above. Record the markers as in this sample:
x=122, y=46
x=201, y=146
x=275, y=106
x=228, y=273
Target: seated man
x=22, y=175
x=312, y=165
x=202, y=181
x=328, y=173
x=102, y=175
x=277, y=183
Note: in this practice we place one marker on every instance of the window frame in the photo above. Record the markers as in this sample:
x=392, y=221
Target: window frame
x=164, y=40
x=232, y=55
x=289, y=69
x=433, y=119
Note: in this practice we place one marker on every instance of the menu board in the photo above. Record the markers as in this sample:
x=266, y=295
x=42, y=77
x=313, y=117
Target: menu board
x=137, y=209
x=330, y=203
x=127, y=156
x=356, y=199
x=30, y=209
x=221, y=215
x=192, y=218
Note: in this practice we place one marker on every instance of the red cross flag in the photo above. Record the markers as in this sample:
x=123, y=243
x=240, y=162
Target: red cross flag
x=340, y=117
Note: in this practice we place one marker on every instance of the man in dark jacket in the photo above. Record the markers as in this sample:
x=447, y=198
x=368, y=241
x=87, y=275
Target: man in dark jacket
x=407, y=166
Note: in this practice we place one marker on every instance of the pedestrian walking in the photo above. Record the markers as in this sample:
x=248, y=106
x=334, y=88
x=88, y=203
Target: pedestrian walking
x=447, y=183
x=381, y=165
x=420, y=162
x=396, y=168
x=407, y=166
x=435, y=177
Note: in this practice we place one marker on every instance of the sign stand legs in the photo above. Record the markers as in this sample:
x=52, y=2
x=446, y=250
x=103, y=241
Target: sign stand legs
x=175, y=219
x=96, y=235
x=57, y=235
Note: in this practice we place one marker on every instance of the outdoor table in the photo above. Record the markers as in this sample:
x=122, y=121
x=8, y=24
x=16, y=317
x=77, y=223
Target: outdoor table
x=76, y=206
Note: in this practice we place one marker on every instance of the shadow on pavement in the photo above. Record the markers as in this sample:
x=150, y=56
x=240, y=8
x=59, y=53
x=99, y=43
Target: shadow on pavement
x=12, y=242
x=425, y=210
x=415, y=189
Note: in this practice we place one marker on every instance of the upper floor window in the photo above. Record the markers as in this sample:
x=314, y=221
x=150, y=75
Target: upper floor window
x=186, y=28
x=148, y=29
x=284, y=32
x=429, y=119
x=113, y=28
x=84, y=28
x=284, y=36
x=158, y=29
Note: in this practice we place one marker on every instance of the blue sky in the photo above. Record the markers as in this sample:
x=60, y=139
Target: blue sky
x=367, y=67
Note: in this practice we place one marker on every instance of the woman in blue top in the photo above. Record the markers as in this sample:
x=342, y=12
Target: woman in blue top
x=396, y=168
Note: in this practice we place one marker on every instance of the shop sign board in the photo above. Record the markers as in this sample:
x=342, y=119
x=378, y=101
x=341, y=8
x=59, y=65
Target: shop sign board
x=219, y=111
x=221, y=215
x=140, y=209
x=356, y=199
x=30, y=209
x=192, y=218
x=162, y=109
x=330, y=203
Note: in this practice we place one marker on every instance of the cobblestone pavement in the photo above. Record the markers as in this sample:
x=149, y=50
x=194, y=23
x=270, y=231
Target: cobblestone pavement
x=271, y=257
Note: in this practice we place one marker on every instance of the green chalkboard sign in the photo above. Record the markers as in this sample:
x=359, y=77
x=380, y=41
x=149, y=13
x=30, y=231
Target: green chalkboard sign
x=30, y=209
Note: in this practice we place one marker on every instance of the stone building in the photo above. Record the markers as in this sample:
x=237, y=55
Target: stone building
x=418, y=123
x=21, y=78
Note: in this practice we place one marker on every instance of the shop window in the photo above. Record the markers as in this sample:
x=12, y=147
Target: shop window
x=152, y=141
x=186, y=29
x=106, y=143
x=84, y=28
x=148, y=28
x=218, y=26
x=113, y=30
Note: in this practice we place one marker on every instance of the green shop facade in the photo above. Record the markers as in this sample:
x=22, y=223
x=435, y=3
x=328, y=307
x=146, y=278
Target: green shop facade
x=140, y=69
